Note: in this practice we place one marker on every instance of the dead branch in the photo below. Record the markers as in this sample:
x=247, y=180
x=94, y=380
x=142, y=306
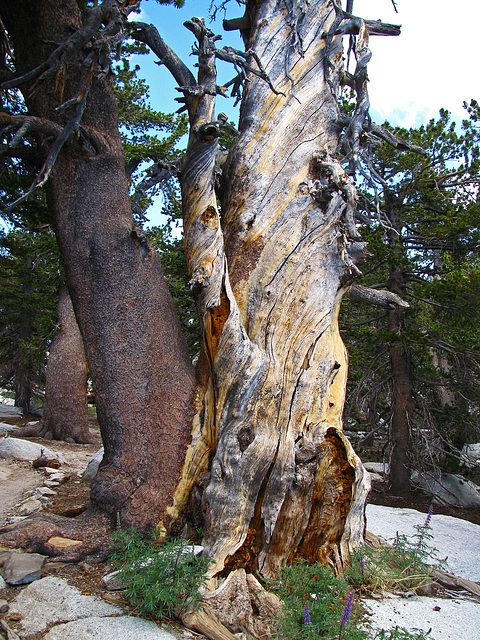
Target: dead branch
x=158, y=173
x=148, y=34
x=344, y=184
x=352, y=25
x=87, y=142
x=385, y=299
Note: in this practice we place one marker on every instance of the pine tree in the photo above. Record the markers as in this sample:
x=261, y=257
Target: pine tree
x=414, y=372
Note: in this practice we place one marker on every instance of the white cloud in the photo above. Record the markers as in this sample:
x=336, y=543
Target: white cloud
x=431, y=65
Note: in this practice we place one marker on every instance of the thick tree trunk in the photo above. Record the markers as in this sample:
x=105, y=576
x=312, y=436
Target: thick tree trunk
x=400, y=438
x=65, y=414
x=284, y=480
x=137, y=356
x=400, y=365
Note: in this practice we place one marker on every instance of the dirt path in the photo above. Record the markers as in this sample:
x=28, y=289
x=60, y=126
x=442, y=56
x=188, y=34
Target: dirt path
x=18, y=479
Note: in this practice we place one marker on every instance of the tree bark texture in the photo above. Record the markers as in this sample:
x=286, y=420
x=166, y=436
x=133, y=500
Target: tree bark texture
x=400, y=365
x=400, y=463
x=137, y=356
x=65, y=413
x=284, y=480
x=23, y=366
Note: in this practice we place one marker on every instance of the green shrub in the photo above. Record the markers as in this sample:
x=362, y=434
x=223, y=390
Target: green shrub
x=314, y=603
x=160, y=579
x=404, y=566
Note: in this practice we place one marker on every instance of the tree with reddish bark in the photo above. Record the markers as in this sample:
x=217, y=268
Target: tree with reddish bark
x=65, y=411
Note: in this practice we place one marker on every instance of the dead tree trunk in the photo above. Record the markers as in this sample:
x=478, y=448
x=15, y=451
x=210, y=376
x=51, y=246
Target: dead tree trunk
x=137, y=356
x=284, y=480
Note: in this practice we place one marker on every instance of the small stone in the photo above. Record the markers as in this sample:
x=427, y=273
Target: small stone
x=113, y=581
x=23, y=568
x=16, y=519
x=50, y=471
x=3, y=606
x=30, y=506
x=57, y=477
x=51, y=483
x=45, y=491
x=63, y=543
x=3, y=584
x=93, y=464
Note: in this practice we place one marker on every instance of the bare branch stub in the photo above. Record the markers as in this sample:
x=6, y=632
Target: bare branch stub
x=377, y=297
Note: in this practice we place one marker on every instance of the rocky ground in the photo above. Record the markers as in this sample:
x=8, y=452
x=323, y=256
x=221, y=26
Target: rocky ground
x=53, y=503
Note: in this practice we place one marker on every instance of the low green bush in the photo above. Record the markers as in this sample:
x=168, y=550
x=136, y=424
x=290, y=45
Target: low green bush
x=160, y=579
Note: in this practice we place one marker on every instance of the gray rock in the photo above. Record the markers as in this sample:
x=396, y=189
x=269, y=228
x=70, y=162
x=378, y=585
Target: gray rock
x=376, y=467
x=454, y=539
x=45, y=491
x=9, y=411
x=23, y=568
x=52, y=600
x=3, y=606
x=473, y=452
x=113, y=581
x=23, y=449
x=32, y=505
x=449, y=489
x=6, y=428
x=16, y=519
x=3, y=584
x=57, y=477
x=93, y=464
x=123, y=628
x=453, y=619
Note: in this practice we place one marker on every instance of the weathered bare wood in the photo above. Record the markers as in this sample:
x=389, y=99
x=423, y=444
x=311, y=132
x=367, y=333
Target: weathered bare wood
x=377, y=297
x=237, y=23
x=353, y=25
x=284, y=480
x=205, y=623
x=244, y=606
x=455, y=583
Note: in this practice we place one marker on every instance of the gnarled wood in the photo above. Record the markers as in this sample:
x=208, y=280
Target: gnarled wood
x=284, y=481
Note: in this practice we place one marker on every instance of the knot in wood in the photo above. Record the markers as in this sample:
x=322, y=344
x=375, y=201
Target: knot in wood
x=245, y=438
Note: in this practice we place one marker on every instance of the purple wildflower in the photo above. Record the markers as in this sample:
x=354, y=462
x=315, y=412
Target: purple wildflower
x=306, y=615
x=362, y=562
x=347, y=610
x=426, y=524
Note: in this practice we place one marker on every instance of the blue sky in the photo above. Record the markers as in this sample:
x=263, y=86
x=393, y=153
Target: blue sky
x=432, y=64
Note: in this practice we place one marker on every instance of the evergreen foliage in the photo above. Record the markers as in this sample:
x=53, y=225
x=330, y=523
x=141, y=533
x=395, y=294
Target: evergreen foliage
x=423, y=244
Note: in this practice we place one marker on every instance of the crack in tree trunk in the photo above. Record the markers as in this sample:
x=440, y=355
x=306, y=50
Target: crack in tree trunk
x=278, y=365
